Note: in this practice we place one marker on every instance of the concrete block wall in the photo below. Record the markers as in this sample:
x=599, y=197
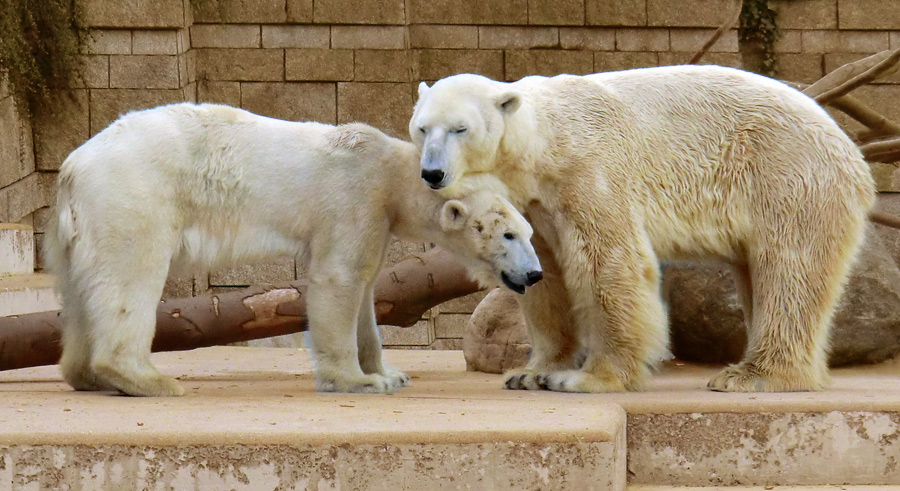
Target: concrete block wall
x=338, y=61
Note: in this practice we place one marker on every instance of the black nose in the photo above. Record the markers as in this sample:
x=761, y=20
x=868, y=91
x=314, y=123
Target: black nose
x=533, y=277
x=433, y=177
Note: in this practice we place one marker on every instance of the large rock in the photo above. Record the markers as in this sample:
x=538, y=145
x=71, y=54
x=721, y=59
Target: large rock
x=496, y=339
x=707, y=322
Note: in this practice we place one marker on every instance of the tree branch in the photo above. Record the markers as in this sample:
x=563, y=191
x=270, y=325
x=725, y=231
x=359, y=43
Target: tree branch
x=727, y=25
x=882, y=151
x=852, y=75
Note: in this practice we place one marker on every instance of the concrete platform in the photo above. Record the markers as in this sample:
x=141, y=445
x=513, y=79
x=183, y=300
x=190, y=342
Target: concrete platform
x=252, y=420
x=27, y=293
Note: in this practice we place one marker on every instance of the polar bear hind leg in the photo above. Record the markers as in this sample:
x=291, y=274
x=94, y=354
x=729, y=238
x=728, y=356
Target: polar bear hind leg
x=369, y=343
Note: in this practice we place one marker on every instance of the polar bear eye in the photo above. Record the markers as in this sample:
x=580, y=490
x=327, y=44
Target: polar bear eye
x=509, y=236
x=422, y=130
x=460, y=131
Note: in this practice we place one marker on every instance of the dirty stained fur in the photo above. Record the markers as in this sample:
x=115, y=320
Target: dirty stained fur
x=187, y=186
x=617, y=171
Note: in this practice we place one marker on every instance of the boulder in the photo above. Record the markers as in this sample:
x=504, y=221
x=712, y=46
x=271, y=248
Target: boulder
x=496, y=338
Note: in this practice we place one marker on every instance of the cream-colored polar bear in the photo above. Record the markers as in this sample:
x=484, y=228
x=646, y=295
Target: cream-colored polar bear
x=207, y=185
x=618, y=170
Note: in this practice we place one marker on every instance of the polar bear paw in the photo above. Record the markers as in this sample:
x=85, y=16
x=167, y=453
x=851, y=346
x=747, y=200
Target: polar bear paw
x=374, y=383
x=745, y=377
x=521, y=380
x=561, y=381
x=397, y=377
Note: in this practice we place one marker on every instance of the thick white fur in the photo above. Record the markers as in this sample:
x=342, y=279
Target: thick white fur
x=201, y=186
x=618, y=170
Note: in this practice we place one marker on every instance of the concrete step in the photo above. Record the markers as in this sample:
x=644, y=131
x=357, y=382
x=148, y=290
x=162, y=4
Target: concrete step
x=847, y=487
x=16, y=249
x=251, y=420
x=27, y=293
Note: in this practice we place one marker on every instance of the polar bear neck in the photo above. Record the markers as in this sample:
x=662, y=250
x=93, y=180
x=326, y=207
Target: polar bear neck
x=413, y=210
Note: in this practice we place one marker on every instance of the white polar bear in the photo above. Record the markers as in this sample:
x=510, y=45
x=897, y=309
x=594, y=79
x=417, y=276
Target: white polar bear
x=616, y=171
x=207, y=185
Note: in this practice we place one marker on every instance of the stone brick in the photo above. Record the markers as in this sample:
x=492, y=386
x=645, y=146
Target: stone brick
x=616, y=12
x=493, y=37
x=547, y=62
x=799, y=67
x=868, y=14
x=219, y=92
x=95, y=71
x=155, y=42
x=836, y=60
x=183, y=40
x=296, y=36
x=37, y=190
x=178, y=287
x=587, y=38
x=463, y=305
x=614, y=61
x=41, y=219
x=556, y=12
x=679, y=58
x=225, y=36
x=450, y=325
x=239, y=11
x=356, y=12
x=143, y=72
x=443, y=37
x=108, y=42
x=276, y=270
x=291, y=101
x=433, y=64
x=190, y=59
x=133, y=13
x=806, y=14
x=382, y=65
x=299, y=11
x=60, y=127
x=642, y=39
x=507, y=12
x=4, y=83
x=691, y=40
x=688, y=13
x=16, y=146
x=420, y=335
x=789, y=41
x=387, y=106
x=108, y=104
x=816, y=41
x=895, y=40
x=318, y=64
x=257, y=65
x=368, y=37
x=189, y=92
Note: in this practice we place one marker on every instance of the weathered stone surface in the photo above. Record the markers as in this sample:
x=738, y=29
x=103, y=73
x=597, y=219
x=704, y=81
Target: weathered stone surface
x=225, y=36
x=496, y=339
x=277, y=270
x=24, y=196
x=433, y=64
x=244, y=65
x=155, y=42
x=318, y=64
x=497, y=37
x=219, y=92
x=799, y=67
x=642, y=39
x=381, y=65
x=616, y=12
x=822, y=41
x=612, y=61
x=587, y=38
x=521, y=63
x=868, y=14
x=368, y=37
x=722, y=59
x=355, y=12
x=296, y=36
x=108, y=104
x=291, y=101
x=687, y=13
x=133, y=13
x=107, y=42
x=16, y=148
x=299, y=10
x=419, y=335
x=692, y=40
x=387, y=106
x=450, y=326
x=95, y=73
x=443, y=37
x=240, y=11
x=143, y=72
x=806, y=14
x=508, y=12
x=556, y=12
x=60, y=127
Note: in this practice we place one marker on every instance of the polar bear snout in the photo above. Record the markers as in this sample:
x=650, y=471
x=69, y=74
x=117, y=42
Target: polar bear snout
x=533, y=277
x=434, y=178
x=517, y=282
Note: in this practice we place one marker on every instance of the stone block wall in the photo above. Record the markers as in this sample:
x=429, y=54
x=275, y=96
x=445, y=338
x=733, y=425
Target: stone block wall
x=337, y=61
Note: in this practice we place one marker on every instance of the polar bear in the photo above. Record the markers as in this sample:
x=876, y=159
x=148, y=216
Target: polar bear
x=187, y=185
x=616, y=171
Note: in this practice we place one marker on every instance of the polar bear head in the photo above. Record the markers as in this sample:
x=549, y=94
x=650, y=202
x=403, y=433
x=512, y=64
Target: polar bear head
x=459, y=124
x=492, y=240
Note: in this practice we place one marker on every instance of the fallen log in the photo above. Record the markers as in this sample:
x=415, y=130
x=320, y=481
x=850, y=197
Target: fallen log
x=403, y=294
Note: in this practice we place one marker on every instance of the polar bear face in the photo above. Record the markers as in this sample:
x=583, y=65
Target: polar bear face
x=458, y=125
x=492, y=240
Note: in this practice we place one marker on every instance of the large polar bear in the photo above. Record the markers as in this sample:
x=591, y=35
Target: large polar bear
x=618, y=170
x=207, y=185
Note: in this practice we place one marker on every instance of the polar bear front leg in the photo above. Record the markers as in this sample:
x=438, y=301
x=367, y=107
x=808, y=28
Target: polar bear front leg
x=613, y=283
x=369, y=342
x=333, y=304
x=551, y=327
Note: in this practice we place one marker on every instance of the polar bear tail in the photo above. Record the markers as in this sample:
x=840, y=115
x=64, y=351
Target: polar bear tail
x=61, y=233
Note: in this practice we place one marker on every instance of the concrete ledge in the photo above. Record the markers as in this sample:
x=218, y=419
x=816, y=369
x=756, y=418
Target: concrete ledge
x=27, y=293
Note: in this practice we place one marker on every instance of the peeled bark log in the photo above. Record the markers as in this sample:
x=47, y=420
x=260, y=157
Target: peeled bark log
x=402, y=295
x=852, y=75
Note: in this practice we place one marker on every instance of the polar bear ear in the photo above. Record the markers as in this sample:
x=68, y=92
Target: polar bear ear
x=508, y=102
x=423, y=87
x=454, y=215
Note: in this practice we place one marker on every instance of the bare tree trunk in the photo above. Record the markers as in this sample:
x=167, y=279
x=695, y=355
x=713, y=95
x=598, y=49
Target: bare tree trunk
x=402, y=295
